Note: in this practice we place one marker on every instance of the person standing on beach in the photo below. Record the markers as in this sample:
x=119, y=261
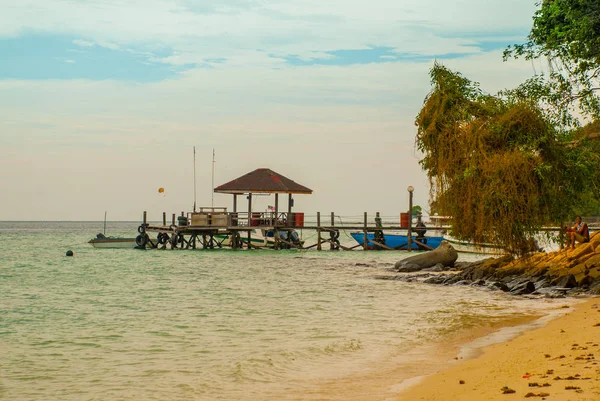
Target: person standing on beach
x=578, y=233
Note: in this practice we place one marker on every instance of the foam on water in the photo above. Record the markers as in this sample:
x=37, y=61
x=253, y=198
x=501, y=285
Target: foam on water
x=214, y=325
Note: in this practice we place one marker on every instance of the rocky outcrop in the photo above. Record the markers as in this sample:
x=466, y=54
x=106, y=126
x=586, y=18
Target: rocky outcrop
x=442, y=256
x=547, y=274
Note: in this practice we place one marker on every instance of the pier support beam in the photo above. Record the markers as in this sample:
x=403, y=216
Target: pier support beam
x=410, y=206
x=365, y=241
x=319, y=231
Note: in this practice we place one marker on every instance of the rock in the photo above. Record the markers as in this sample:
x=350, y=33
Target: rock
x=499, y=286
x=524, y=288
x=437, y=268
x=567, y=281
x=595, y=284
x=585, y=282
x=437, y=279
x=595, y=291
x=444, y=254
x=408, y=267
x=541, y=283
x=453, y=279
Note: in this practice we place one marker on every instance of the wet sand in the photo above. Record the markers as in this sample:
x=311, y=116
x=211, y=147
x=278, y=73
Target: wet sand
x=554, y=362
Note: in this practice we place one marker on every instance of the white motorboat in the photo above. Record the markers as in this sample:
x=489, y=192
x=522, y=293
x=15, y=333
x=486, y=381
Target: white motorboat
x=102, y=241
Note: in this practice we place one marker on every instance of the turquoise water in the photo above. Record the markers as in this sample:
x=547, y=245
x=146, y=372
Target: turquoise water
x=213, y=325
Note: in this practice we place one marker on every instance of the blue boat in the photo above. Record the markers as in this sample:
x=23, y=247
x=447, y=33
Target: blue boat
x=395, y=241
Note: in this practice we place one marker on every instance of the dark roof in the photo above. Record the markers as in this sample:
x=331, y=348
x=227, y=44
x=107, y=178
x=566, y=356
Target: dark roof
x=263, y=180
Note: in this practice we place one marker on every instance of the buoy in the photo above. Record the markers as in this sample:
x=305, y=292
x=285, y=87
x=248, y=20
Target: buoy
x=69, y=253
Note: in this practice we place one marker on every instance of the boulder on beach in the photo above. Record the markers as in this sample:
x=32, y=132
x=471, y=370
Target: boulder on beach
x=444, y=254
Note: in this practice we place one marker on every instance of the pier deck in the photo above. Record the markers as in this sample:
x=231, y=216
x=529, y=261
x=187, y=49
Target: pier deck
x=211, y=229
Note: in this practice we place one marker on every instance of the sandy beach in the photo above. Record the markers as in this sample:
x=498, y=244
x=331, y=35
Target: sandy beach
x=554, y=362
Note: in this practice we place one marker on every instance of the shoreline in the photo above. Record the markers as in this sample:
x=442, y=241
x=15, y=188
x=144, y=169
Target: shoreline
x=540, y=359
x=391, y=378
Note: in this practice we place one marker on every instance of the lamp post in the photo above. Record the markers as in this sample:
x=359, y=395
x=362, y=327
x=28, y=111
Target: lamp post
x=410, y=202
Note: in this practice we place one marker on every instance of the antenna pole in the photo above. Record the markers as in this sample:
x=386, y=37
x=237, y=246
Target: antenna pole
x=194, y=179
x=213, y=181
x=104, y=223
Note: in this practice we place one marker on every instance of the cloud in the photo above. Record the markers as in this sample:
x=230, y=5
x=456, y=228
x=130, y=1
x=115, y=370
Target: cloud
x=305, y=29
x=325, y=92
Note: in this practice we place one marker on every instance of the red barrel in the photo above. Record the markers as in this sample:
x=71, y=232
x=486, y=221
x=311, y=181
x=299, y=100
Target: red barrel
x=255, y=219
x=299, y=219
x=404, y=220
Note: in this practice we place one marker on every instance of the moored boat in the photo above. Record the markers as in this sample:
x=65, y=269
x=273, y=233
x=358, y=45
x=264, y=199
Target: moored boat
x=395, y=241
x=474, y=247
x=102, y=241
x=265, y=239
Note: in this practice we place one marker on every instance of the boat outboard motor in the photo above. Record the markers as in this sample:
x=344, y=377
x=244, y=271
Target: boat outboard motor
x=100, y=236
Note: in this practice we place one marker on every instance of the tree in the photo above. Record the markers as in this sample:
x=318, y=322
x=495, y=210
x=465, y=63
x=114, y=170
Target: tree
x=498, y=165
x=416, y=210
x=567, y=34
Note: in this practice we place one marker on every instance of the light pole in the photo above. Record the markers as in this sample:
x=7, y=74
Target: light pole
x=410, y=202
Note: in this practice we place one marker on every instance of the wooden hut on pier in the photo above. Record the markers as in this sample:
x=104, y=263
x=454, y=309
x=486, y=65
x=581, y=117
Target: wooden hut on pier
x=264, y=181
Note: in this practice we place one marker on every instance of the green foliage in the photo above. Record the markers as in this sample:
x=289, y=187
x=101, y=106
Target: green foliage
x=416, y=210
x=567, y=34
x=498, y=164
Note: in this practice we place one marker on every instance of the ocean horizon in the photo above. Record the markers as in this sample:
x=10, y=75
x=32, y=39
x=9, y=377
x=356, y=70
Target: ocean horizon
x=222, y=324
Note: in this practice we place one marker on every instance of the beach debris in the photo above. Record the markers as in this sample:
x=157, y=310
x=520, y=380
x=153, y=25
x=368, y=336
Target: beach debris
x=69, y=253
x=576, y=377
x=526, y=376
x=547, y=355
x=597, y=325
x=535, y=384
x=536, y=395
x=461, y=382
x=507, y=390
x=576, y=388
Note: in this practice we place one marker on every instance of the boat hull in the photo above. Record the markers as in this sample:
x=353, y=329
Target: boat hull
x=395, y=241
x=470, y=247
x=262, y=242
x=256, y=239
x=114, y=243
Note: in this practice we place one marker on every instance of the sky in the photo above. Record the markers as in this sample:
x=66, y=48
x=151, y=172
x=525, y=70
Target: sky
x=103, y=101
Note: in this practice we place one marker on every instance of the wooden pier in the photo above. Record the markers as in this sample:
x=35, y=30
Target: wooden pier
x=211, y=228
x=215, y=227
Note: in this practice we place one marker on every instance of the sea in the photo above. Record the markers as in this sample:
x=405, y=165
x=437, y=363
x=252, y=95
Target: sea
x=128, y=324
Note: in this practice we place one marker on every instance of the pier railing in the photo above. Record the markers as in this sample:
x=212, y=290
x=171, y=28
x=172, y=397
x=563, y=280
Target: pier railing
x=219, y=218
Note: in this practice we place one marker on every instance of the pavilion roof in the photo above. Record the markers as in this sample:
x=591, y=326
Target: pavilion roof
x=265, y=181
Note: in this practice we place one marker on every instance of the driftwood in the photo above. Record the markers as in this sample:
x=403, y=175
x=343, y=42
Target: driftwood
x=444, y=254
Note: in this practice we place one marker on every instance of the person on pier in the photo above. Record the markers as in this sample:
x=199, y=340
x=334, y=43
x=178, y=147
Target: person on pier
x=578, y=233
